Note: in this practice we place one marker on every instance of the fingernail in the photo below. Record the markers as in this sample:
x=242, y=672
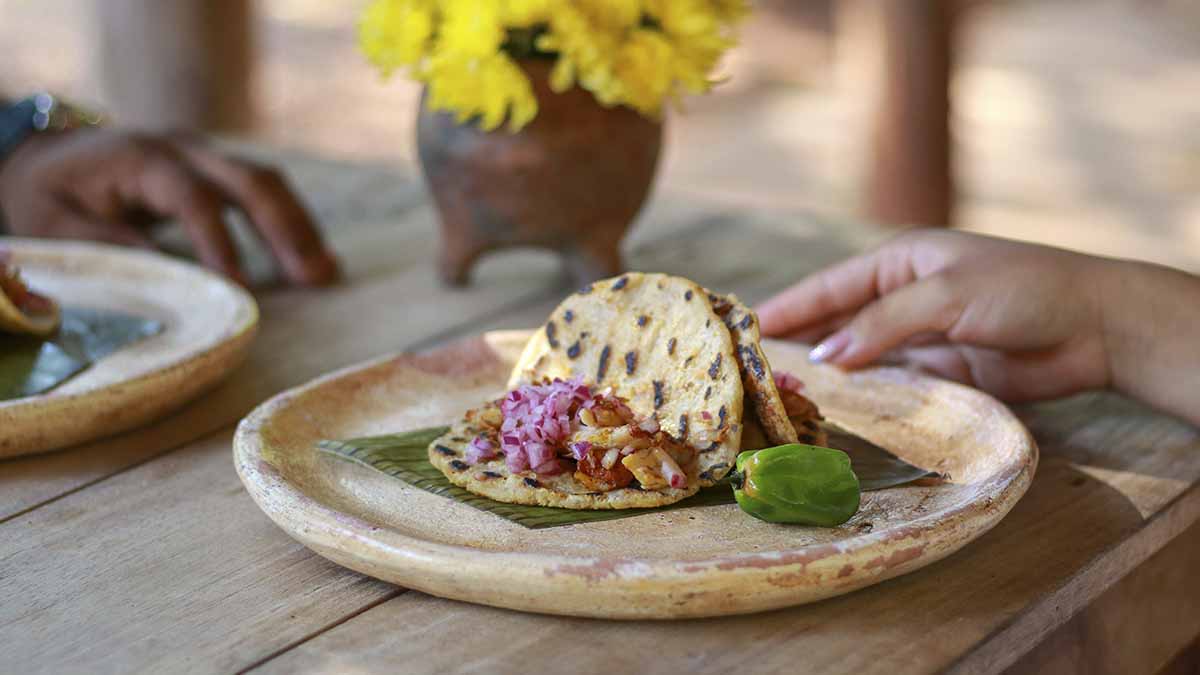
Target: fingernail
x=829, y=349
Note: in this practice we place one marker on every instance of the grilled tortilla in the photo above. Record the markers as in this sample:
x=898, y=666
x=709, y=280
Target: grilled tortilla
x=757, y=380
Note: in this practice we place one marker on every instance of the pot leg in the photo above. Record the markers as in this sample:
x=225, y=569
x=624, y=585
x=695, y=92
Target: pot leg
x=457, y=258
x=590, y=261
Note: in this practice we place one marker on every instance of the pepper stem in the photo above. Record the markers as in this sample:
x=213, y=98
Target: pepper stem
x=737, y=479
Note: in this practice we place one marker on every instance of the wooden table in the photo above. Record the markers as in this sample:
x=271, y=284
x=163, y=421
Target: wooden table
x=143, y=552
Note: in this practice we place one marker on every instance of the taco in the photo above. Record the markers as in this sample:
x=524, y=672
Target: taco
x=629, y=396
x=23, y=311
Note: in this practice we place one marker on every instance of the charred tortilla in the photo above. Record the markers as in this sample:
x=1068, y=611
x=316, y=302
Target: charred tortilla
x=757, y=380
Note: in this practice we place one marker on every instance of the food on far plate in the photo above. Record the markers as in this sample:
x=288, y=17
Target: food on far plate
x=796, y=483
x=23, y=311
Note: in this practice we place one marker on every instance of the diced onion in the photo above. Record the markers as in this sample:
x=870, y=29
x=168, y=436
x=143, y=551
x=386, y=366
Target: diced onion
x=610, y=458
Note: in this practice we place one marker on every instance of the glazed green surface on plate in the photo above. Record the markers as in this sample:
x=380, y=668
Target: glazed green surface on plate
x=31, y=366
x=405, y=456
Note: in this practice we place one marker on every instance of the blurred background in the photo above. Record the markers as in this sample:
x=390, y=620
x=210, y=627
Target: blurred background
x=1071, y=122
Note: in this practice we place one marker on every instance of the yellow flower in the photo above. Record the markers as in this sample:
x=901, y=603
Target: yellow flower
x=471, y=28
x=645, y=83
x=638, y=53
x=527, y=13
x=396, y=33
x=491, y=89
x=698, y=35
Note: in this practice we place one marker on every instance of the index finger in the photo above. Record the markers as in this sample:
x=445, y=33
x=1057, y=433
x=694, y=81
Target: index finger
x=844, y=287
x=839, y=290
x=274, y=209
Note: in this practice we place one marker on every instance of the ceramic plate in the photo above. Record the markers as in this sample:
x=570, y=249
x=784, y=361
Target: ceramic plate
x=692, y=562
x=208, y=326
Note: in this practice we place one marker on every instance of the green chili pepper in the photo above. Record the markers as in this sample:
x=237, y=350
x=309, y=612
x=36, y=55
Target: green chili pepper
x=796, y=483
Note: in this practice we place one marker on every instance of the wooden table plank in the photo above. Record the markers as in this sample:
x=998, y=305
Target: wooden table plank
x=1115, y=484
x=169, y=566
x=159, y=571
x=1135, y=626
x=136, y=523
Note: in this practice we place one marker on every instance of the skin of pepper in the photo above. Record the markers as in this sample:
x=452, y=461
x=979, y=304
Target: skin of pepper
x=798, y=484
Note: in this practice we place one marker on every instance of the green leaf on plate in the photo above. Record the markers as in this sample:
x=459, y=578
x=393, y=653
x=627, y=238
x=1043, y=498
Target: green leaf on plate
x=876, y=468
x=405, y=456
x=31, y=366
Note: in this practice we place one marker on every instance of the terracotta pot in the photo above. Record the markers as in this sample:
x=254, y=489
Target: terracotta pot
x=572, y=180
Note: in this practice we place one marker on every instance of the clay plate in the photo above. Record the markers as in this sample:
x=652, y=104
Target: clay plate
x=209, y=324
x=685, y=563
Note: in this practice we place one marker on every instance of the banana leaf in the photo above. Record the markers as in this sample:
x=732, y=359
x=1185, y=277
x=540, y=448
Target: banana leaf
x=405, y=456
x=31, y=366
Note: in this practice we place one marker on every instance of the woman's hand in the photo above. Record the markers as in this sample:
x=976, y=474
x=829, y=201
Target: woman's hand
x=107, y=186
x=1017, y=320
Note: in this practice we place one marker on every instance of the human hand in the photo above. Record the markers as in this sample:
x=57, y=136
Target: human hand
x=1017, y=320
x=105, y=185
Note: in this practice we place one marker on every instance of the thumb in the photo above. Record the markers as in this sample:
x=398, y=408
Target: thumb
x=931, y=305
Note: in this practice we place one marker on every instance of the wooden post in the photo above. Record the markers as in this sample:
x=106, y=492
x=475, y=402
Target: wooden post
x=909, y=169
x=180, y=64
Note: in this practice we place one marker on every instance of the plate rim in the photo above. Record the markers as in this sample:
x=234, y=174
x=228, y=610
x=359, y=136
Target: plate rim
x=234, y=341
x=330, y=532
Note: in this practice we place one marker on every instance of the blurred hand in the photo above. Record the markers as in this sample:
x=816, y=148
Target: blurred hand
x=1017, y=320
x=108, y=186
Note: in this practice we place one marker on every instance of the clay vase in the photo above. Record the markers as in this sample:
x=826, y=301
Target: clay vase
x=572, y=180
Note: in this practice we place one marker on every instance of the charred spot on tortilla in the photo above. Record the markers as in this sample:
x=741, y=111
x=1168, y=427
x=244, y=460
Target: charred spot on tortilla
x=707, y=392
x=552, y=334
x=688, y=361
x=641, y=320
x=445, y=451
x=568, y=316
x=753, y=362
x=602, y=369
x=715, y=367
x=671, y=347
x=746, y=322
x=707, y=323
x=630, y=362
x=585, y=290
x=687, y=295
x=491, y=474
x=459, y=465
x=708, y=474
x=712, y=446
x=532, y=482
x=683, y=427
x=658, y=394
x=573, y=350
x=721, y=417
x=620, y=283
